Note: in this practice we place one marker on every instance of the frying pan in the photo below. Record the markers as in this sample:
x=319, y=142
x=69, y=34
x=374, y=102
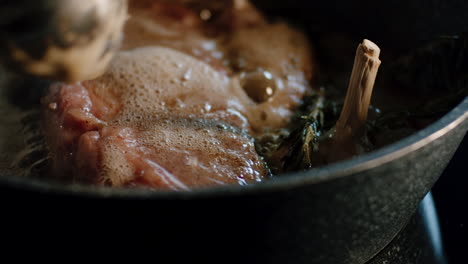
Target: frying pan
x=342, y=213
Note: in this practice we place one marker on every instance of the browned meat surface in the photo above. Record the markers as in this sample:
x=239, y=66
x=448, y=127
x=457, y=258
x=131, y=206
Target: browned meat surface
x=177, y=109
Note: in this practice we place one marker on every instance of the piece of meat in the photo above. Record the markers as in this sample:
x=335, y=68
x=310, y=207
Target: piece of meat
x=170, y=24
x=160, y=127
x=166, y=116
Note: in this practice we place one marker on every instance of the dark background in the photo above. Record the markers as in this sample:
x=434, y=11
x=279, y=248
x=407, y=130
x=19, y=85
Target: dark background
x=451, y=198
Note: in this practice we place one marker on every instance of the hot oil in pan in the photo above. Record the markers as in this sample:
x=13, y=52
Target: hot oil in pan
x=10, y=139
x=23, y=150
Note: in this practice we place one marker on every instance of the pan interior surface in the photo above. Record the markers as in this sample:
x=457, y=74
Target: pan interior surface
x=335, y=54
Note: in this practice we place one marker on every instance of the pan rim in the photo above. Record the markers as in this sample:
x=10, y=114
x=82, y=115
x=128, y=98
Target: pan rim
x=455, y=118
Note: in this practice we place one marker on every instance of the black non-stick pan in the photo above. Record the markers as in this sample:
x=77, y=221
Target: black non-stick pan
x=342, y=213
